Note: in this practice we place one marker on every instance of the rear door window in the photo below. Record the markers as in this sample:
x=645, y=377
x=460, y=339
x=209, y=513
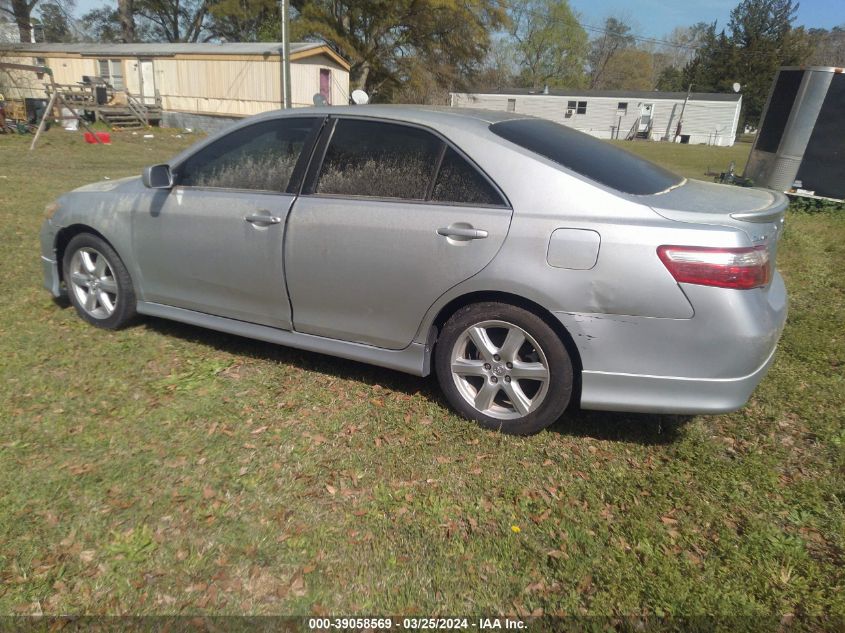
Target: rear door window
x=382, y=160
x=458, y=182
x=391, y=160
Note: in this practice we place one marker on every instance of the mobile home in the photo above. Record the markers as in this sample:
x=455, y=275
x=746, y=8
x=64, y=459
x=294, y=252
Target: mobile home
x=196, y=85
x=705, y=118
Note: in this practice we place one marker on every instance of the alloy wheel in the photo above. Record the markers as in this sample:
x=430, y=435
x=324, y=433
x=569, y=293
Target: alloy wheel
x=500, y=370
x=93, y=283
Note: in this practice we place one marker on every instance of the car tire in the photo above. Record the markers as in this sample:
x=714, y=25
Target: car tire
x=98, y=284
x=503, y=367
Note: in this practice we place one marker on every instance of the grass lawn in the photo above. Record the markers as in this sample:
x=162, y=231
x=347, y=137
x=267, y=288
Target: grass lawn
x=166, y=469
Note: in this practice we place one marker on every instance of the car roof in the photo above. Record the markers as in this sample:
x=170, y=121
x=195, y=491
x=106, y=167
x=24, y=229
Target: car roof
x=437, y=117
x=434, y=116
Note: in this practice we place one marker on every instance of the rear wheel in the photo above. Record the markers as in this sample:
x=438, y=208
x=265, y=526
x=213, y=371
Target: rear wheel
x=503, y=367
x=98, y=284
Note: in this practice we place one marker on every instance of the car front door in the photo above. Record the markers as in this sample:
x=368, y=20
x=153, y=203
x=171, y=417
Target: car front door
x=214, y=243
x=390, y=219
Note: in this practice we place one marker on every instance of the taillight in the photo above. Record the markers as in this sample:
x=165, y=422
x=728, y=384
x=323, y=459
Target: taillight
x=741, y=268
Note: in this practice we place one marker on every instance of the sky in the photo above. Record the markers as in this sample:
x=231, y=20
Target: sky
x=657, y=18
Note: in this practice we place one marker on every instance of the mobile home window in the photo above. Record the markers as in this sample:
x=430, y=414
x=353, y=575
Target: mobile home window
x=571, y=105
x=582, y=108
x=511, y=105
x=622, y=108
x=111, y=70
x=39, y=61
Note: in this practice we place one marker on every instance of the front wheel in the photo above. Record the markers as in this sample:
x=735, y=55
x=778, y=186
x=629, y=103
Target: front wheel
x=503, y=367
x=98, y=284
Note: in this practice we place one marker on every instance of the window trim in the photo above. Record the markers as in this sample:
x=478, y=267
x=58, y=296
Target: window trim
x=297, y=175
x=319, y=156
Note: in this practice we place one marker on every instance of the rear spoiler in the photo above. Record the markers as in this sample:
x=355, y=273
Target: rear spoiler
x=770, y=213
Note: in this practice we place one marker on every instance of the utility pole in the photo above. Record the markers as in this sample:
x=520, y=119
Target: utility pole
x=681, y=118
x=285, y=55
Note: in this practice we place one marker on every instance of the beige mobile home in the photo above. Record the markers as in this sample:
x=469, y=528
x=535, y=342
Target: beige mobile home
x=706, y=118
x=196, y=85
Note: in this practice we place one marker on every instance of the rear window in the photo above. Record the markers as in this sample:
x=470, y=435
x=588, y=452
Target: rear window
x=588, y=156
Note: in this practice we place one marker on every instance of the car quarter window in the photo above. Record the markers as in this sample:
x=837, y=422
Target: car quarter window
x=459, y=182
x=383, y=160
x=391, y=160
x=259, y=157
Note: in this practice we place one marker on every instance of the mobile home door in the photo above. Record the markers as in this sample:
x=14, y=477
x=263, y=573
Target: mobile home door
x=646, y=112
x=148, y=81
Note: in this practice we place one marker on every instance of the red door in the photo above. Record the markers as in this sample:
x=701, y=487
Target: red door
x=325, y=85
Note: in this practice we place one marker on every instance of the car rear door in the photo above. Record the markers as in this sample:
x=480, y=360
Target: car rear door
x=391, y=217
x=214, y=243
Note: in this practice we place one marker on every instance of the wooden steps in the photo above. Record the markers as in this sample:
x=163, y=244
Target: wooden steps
x=121, y=118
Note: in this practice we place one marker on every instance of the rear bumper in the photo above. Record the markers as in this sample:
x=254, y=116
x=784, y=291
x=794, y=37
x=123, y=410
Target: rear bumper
x=710, y=363
x=668, y=394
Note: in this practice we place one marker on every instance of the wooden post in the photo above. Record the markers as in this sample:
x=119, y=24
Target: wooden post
x=43, y=122
x=681, y=118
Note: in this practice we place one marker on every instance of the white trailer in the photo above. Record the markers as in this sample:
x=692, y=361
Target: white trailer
x=708, y=118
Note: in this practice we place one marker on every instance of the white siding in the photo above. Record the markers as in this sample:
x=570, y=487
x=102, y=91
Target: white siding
x=305, y=81
x=709, y=122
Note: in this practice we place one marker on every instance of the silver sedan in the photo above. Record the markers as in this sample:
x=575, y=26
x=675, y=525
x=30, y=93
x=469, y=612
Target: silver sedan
x=528, y=265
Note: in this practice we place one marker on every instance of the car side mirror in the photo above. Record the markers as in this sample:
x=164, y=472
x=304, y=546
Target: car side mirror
x=158, y=177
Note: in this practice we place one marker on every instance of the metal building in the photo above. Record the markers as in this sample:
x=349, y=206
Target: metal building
x=707, y=118
x=801, y=142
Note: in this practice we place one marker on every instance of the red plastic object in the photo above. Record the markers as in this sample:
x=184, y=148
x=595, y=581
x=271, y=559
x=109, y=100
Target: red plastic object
x=104, y=137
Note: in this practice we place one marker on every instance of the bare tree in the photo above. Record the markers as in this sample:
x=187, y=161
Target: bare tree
x=616, y=36
x=21, y=12
x=828, y=46
x=126, y=11
x=174, y=20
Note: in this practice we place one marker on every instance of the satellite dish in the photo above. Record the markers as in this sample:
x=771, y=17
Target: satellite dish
x=736, y=86
x=359, y=97
x=320, y=100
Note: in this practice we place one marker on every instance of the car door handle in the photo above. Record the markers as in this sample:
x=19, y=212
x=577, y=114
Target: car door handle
x=462, y=233
x=261, y=218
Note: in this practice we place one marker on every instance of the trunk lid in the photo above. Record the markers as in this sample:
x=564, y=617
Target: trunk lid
x=759, y=213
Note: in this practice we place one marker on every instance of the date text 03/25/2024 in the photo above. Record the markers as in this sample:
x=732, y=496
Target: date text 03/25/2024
x=376, y=624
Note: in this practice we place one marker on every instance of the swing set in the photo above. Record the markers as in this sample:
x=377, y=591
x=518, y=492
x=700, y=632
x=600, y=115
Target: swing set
x=55, y=100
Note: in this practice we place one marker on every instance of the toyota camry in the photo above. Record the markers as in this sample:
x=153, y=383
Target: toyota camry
x=528, y=265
